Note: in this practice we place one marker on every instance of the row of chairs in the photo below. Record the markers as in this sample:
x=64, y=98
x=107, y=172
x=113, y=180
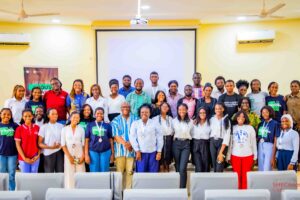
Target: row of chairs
x=273, y=181
x=149, y=194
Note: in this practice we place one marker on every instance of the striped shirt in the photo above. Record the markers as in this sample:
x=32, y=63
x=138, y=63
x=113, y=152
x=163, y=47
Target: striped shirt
x=121, y=128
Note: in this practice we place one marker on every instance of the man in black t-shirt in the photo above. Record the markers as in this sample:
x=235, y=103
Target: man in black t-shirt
x=230, y=98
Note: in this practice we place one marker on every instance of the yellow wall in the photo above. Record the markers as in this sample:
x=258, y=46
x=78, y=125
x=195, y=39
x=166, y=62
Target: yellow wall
x=218, y=53
x=72, y=49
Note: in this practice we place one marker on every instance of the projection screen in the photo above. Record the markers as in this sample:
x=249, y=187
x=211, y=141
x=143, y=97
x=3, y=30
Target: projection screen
x=170, y=52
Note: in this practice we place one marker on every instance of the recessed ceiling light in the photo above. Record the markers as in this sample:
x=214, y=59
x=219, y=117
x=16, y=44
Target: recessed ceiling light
x=241, y=18
x=145, y=7
x=56, y=21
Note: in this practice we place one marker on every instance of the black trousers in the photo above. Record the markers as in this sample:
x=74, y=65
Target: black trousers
x=41, y=165
x=201, y=155
x=215, y=147
x=181, y=152
x=54, y=162
x=167, y=154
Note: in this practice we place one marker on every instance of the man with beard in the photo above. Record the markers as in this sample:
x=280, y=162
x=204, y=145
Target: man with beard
x=56, y=98
x=137, y=97
x=126, y=89
x=190, y=101
x=39, y=116
x=220, y=84
x=197, y=87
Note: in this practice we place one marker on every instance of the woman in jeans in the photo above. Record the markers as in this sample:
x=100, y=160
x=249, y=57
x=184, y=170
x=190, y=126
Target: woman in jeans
x=8, y=150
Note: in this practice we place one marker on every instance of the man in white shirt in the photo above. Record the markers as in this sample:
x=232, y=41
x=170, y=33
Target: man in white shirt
x=151, y=91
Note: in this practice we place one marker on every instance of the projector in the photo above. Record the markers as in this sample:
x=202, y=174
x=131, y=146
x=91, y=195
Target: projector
x=139, y=21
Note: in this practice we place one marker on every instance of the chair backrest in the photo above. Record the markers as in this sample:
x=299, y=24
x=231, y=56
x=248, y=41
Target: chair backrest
x=155, y=194
x=38, y=183
x=101, y=180
x=15, y=195
x=155, y=180
x=3, y=181
x=274, y=181
x=290, y=195
x=203, y=181
x=93, y=180
x=237, y=195
x=76, y=194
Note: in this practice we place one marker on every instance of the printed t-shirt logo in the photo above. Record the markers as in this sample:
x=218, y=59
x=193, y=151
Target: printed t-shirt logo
x=5, y=131
x=96, y=132
x=33, y=108
x=241, y=136
x=275, y=105
x=263, y=132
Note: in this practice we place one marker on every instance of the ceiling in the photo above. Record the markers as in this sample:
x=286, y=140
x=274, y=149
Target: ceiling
x=87, y=11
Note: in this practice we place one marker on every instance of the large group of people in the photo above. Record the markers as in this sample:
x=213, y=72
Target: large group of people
x=141, y=129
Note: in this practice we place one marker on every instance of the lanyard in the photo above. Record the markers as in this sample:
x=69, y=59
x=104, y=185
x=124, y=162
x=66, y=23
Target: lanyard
x=73, y=139
x=99, y=128
x=266, y=125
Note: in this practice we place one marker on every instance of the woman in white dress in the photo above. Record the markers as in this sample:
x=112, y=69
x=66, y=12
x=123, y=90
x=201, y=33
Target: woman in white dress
x=72, y=142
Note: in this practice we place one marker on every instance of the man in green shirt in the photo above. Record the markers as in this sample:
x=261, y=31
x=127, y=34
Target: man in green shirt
x=137, y=97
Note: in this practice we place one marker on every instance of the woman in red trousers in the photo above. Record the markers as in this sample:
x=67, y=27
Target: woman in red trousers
x=243, y=148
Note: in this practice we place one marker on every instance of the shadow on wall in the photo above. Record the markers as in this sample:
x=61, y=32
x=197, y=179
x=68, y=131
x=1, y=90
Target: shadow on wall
x=282, y=42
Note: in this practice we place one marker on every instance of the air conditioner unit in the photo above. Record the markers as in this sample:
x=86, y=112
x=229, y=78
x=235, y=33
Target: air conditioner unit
x=14, y=39
x=261, y=36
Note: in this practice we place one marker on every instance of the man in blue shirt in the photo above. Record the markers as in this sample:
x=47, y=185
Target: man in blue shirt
x=124, y=154
x=126, y=89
